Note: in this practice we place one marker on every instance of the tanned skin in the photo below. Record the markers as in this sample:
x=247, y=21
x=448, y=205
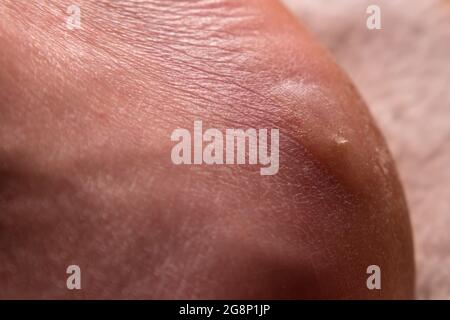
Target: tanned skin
x=86, y=176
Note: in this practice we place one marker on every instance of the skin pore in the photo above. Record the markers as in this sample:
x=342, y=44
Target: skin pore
x=86, y=176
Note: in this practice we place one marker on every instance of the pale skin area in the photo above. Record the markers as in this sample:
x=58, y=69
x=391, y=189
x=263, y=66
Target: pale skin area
x=86, y=176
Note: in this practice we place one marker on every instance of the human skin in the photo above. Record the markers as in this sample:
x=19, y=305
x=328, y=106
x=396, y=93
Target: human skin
x=86, y=176
x=409, y=91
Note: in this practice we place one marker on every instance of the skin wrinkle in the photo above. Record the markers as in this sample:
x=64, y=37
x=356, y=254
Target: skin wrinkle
x=217, y=75
x=311, y=211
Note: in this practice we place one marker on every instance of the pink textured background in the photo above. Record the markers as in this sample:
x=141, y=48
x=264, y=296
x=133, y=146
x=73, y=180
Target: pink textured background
x=403, y=72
